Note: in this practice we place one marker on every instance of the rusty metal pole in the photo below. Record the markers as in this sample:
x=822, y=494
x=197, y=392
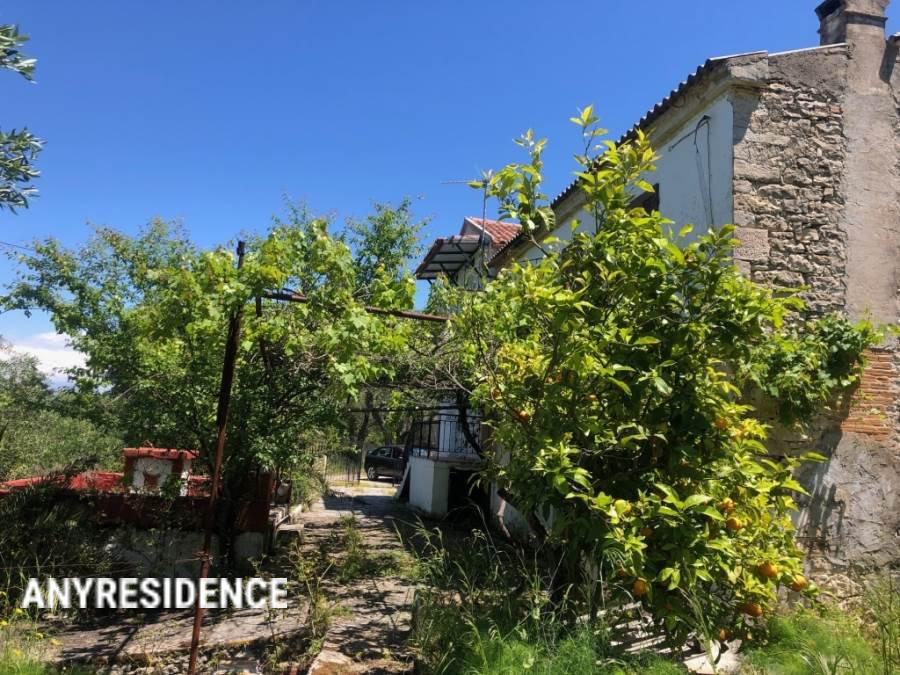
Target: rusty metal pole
x=228, y=368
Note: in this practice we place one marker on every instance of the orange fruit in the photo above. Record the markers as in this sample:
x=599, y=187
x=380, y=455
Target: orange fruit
x=799, y=583
x=724, y=635
x=767, y=570
x=726, y=505
x=524, y=416
x=753, y=609
x=592, y=398
x=639, y=588
x=721, y=423
x=734, y=524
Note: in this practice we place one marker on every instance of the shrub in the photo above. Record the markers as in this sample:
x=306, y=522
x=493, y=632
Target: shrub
x=44, y=534
x=615, y=375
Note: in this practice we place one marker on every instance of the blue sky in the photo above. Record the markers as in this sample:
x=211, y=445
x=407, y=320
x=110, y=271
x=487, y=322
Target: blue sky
x=212, y=112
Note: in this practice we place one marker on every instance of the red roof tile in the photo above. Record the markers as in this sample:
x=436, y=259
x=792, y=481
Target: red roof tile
x=501, y=232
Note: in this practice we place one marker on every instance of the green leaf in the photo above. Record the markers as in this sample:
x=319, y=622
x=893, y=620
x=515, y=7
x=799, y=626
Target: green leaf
x=712, y=513
x=662, y=386
x=621, y=385
x=696, y=500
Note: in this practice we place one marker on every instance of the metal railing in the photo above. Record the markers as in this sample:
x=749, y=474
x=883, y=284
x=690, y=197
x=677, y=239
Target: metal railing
x=443, y=436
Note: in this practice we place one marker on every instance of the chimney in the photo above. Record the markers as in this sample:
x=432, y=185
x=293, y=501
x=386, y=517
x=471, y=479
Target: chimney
x=851, y=20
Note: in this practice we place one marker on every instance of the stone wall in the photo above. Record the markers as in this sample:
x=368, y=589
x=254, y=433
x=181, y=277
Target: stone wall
x=811, y=206
x=788, y=164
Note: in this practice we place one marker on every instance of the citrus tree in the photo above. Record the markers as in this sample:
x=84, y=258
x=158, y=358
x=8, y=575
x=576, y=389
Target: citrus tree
x=615, y=375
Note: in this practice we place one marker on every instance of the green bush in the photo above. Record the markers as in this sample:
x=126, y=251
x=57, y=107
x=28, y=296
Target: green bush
x=617, y=373
x=43, y=535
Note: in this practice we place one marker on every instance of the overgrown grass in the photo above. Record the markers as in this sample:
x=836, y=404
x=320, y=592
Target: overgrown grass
x=815, y=642
x=358, y=560
x=489, y=608
x=15, y=662
x=883, y=616
x=24, y=649
x=583, y=652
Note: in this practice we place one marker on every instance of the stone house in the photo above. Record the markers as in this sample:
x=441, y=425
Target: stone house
x=800, y=150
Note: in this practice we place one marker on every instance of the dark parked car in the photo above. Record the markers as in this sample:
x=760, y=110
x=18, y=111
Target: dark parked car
x=385, y=461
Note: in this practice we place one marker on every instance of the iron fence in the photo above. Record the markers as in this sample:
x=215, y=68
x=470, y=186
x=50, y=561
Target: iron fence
x=342, y=467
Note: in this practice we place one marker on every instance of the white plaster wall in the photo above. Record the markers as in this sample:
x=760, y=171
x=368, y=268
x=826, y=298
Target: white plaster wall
x=512, y=522
x=694, y=173
x=429, y=483
x=151, y=466
x=695, y=169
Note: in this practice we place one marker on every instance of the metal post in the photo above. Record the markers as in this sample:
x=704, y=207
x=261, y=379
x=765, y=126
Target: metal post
x=228, y=368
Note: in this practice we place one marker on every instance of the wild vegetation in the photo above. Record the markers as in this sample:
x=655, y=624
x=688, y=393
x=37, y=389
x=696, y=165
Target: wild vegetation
x=488, y=607
x=40, y=427
x=617, y=375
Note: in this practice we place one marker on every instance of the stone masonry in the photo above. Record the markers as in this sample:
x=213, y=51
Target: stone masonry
x=817, y=204
x=788, y=166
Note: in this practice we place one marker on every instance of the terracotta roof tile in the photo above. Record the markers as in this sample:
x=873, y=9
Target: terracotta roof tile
x=501, y=232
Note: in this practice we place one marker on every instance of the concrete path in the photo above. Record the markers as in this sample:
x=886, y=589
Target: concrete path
x=147, y=638
x=369, y=616
x=371, y=622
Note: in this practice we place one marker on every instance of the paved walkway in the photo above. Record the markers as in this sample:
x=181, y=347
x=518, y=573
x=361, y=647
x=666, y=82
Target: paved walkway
x=370, y=616
x=149, y=637
x=369, y=629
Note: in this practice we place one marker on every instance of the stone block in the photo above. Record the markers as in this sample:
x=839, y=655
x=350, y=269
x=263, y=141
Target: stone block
x=754, y=244
x=756, y=172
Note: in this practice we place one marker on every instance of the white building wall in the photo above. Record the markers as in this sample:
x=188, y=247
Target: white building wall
x=694, y=173
x=162, y=469
x=429, y=483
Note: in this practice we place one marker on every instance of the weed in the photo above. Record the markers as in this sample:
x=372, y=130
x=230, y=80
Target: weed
x=883, y=611
x=813, y=642
x=490, y=608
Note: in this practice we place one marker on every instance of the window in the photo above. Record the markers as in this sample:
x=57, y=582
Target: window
x=649, y=201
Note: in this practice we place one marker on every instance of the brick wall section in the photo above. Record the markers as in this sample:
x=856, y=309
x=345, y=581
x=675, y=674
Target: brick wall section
x=876, y=398
x=788, y=163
